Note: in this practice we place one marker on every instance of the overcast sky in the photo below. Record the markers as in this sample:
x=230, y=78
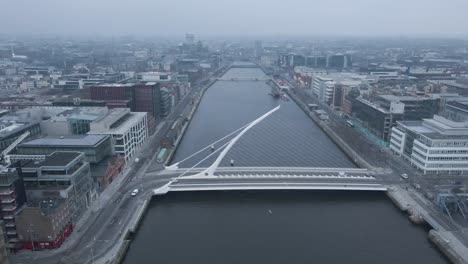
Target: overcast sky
x=236, y=17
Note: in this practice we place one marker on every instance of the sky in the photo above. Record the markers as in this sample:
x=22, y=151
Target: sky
x=446, y=18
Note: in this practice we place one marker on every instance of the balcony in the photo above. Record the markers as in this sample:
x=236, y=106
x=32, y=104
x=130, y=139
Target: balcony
x=11, y=232
x=12, y=224
x=8, y=217
x=6, y=200
x=9, y=209
x=6, y=192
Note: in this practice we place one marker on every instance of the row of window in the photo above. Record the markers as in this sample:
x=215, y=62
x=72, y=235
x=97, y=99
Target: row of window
x=451, y=144
x=448, y=151
x=448, y=158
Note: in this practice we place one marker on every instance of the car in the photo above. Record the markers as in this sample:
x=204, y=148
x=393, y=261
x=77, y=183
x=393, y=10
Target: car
x=404, y=176
x=134, y=192
x=417, y=186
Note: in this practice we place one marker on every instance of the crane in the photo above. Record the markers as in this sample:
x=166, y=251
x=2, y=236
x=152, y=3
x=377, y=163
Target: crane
x=4, y=157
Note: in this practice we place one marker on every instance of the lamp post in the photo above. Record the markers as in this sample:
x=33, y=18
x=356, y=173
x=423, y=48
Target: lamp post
x=31, y=231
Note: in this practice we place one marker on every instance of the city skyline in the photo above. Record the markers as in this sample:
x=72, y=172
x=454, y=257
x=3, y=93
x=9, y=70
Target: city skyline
x=240, y=18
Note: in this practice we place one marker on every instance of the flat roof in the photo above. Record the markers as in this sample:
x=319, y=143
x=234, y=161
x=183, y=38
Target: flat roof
x=114, y=85
x=58, y=158
x=459, y=105
x=78, y=140
x=125, y=123
x=403, y=98
x=455, y=84
x=418, y=127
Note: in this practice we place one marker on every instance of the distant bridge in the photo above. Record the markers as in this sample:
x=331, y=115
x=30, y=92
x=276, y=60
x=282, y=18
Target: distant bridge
x=250, y=65
x=243, y=79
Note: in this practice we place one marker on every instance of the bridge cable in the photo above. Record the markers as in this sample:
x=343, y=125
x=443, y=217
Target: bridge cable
x=211, y=144
x=211, y=154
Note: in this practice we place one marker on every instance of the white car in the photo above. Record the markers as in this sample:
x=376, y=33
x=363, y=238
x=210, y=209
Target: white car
x=134, y=192
x=404, y=176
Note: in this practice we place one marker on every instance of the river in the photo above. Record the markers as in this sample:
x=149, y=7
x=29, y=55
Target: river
x=286, y=138
x=272, y=226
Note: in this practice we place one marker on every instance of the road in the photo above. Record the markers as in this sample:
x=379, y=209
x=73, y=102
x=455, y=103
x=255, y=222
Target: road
x=110, y=216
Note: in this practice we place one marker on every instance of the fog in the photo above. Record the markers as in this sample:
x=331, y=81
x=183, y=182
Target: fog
x=236, y=17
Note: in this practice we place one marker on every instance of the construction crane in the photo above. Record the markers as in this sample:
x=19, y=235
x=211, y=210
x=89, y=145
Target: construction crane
x=4, y=156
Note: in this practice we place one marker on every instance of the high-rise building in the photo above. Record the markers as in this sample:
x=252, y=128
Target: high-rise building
x=4, y=257
x=323, y=88
x=258, y=48
x=147, y=98
x=189, y=38
x=12, y=198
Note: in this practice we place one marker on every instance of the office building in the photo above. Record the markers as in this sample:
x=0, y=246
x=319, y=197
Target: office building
x=456, y=111
x=63, y=121
x=258, y=48
x=114, y=92
x=128, y=130
x=95, y=147
x=165, y=103
x=323, y=88
x=145, y=96
x=61, y=175
x=434, y=146
x=380, y=113
x=148, y=98
x=44, y=224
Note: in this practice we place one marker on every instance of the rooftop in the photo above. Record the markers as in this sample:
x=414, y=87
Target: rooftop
x=47, y=206
x=78, y=140
x=114, y=85
x=116, y=121
x=459, y=105
x=403, y=98
x=58, y=158
x=455, y=84
x=438, y=128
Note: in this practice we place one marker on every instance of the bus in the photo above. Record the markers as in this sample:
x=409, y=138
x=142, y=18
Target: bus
x=162, y=155
x=349, y=123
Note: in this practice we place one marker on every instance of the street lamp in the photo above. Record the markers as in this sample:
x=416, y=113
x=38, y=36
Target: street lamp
x=31, y=231
x=92, y=249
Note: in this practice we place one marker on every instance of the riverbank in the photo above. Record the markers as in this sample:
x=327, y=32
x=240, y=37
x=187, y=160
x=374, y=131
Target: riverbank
x=455, y=250
x=197, y=102
x=440, y=234
x=353, y=155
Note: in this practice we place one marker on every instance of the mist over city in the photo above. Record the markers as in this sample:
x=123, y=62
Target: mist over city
x=235, y=18
x=259, y=131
